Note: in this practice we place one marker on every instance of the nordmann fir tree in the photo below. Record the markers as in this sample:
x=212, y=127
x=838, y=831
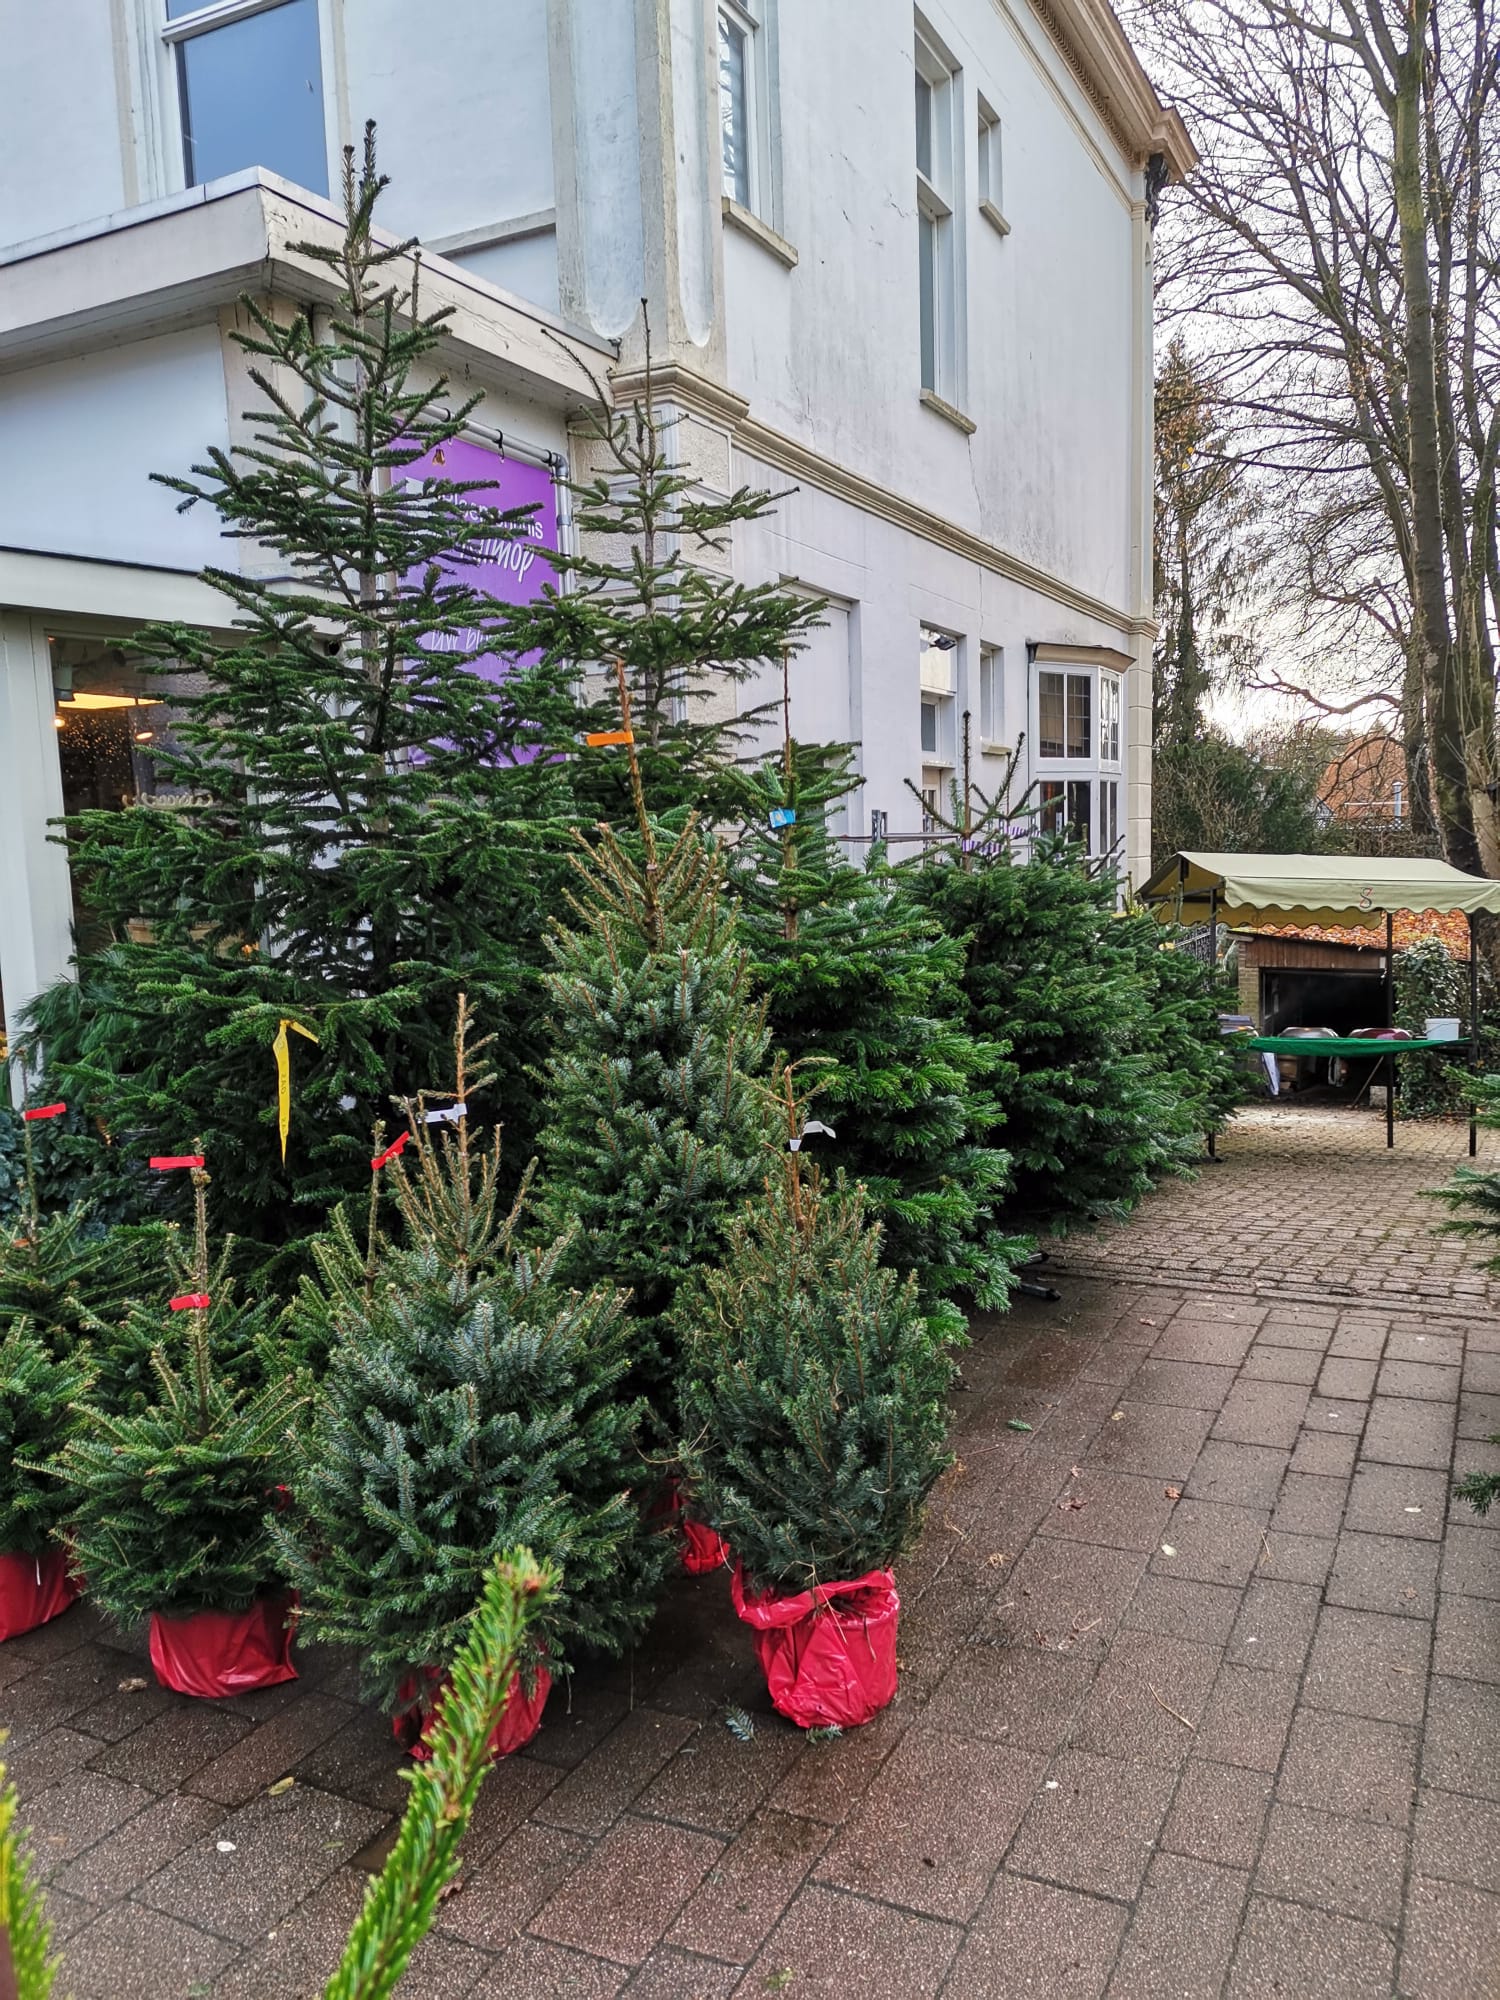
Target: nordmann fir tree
x=657, y=1112
x=470, y=1401
x=814, y=1386
x=359, y=827
x=863, y=996
x=169, y=1502
x=648, y=592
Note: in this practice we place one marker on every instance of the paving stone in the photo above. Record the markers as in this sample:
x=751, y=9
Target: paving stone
x=1115, y=1510
x=1033, y=1942
x=360, y=1761
x=830, y=1779
x=1329, y=1416
x=1184, y=1930
x=1457, y=1839
x=1357, y=1343
x=126, y=1708
x=1267, y=1362
x=37, y=1763
x=1468, y=1638
x=1262, y=1413
x=1297, y=1559
x=1392, y=1573
x=1461, y=1750
x=1349, y=1764
x=292, y=1961
x=72, y=1815
x=1365, y=1663
x=1404, y=1431
x=542, y=1971
x=715, y=1782
x=130, y=1953
x=1017, y=1695
x=1479, y=1417
x=283, y=1849
x=744, y=1894
x=1310, y=1506
x=835, y=1945
x=625, y=1896
x=1295, y=1335
x=933, y=1826
x=620, y=1769
x=1220, y=1309
x=1192, y=1385
x=62, y=1690
x=111, y=1867
x=270, y=1751
x=1147, y=1699
x=1351, y=1867
x=1212, y=1543
x=1275, y=1627
x=1482, y=1371
x=669, y=1974
x=1471, y=1561
x=167, y=1752
x=1349, y=1381
x=1244, y=1475
x=1218, y=1814
x=1285, y=1950
x=1452, y=1943
x=1419, y=1380
x=1324, y=1455
x=503, y=1891
x=1066, y=1596
x=1096, y=1831
x=1398, y=1500
x=1178, y=1608
x=1153, y=1439
x=1219, y=1346
x=1432, y=1350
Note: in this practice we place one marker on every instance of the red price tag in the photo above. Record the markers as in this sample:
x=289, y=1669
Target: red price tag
x=166, y=1160
x=390, y=1152
x=190, y=1301
x=45, y=1111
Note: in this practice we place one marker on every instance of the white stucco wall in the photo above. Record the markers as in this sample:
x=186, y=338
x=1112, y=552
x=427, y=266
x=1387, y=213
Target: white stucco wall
x=61, y=155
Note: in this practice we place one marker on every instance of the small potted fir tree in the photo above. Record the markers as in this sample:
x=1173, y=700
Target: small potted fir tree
x=169, y=1503
x=38, y=1394
x=813, y=1405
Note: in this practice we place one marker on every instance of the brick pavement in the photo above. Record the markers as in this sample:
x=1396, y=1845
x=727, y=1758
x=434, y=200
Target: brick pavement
x=1200, y=1696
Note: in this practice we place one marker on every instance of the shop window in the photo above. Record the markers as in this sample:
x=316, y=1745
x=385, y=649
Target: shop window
x=249, y=89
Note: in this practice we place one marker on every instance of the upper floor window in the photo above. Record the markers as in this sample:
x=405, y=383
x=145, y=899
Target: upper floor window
x=744, y=90
x=1065, y=716
x=1109, y=718
x=249, y=88
x=990, y=165
x=939, y=282
x=991, y=697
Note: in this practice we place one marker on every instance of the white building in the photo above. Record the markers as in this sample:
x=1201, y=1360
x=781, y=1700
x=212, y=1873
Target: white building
x=900, y=261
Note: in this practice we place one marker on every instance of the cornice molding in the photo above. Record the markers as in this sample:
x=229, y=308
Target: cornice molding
x=1106, y=68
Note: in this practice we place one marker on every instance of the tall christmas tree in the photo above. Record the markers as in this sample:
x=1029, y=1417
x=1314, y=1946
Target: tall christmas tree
x=649, y=594
x=814, y=1388
x=657, y=1115
x=1180, y=1036
x=863, y=994
x=470, y=1402
x=358, y=825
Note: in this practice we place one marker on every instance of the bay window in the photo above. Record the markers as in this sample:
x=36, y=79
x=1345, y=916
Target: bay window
x=1077, y=726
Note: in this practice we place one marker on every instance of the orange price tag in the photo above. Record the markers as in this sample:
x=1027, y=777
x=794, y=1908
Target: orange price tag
x=601, y=737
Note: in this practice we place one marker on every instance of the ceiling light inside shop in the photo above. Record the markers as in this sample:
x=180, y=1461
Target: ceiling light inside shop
x=87, y=699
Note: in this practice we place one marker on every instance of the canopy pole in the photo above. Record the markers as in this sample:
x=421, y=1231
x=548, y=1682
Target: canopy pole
x=1473, y=1038
x=1390, y=1022
x=1213, y=973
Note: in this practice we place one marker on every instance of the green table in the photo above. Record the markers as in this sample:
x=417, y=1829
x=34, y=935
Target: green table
x=1374, y=1047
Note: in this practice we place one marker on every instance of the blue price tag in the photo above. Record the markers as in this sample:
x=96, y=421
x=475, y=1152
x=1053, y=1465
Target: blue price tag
x=783, y=816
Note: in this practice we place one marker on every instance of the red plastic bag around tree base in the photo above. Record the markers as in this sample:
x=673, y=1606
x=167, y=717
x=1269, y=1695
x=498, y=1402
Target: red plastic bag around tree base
x=829, y=1653
x=218, y=1653
x=33, y=1588
x=421, y=1695
x=702, y=1549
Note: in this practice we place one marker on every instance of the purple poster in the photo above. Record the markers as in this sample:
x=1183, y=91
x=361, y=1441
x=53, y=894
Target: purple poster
x=514, y=572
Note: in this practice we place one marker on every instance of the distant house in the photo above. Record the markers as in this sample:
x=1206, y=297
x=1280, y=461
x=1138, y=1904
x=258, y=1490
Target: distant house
x=1328, y=976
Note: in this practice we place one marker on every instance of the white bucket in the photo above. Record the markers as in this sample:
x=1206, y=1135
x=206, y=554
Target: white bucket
x=1444, y=1028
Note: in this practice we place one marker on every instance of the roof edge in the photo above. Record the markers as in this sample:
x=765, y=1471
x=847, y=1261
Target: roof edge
x=1103, y=59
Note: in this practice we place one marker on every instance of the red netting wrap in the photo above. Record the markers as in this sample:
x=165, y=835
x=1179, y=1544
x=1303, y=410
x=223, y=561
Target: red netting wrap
x=32, y=1590
x=217, y=1653
x=829, y=1653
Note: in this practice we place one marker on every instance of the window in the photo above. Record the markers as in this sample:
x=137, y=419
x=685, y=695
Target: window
x=991, y=697
x=937, y=660
x=1079, y=735
x=250, y=89
x=991, y=207
x=929, y=728
x=1065, y=715
x=1109, y=718
x=1109, y=816
x=1050, y=817
x=939, y=284
x=746, y=74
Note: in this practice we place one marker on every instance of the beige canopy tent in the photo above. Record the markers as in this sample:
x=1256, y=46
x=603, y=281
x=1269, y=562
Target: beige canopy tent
x=1354, y=891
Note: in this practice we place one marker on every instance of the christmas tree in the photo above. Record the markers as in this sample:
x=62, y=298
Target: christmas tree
x=1180, y=1036
x=25, y=1933
x=813, y=1391
x=657, y=1118
x=357, y=824
x=169, y=1502
x=649, y=594
x=864, y=997
x=470, y=1402
x=402, y=1900
x=38, y=1394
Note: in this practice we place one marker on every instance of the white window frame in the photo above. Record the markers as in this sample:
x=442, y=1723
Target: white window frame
x=1104, y=765
x=939, y=208
x=160, y=136
x=756, y=21
x=992, y=739
x=939, y=668
x=990, y=170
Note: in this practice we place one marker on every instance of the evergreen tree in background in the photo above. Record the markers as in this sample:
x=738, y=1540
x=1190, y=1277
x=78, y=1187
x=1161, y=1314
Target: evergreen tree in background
x=169, y=1503
x=648, y=592
x=360, y=825
x=37, y=1417
x=814, y=1388
x=24, y=1928
x=470, y=1402
x=863, y=988
x=657, y=1115
x=1180, y=1037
